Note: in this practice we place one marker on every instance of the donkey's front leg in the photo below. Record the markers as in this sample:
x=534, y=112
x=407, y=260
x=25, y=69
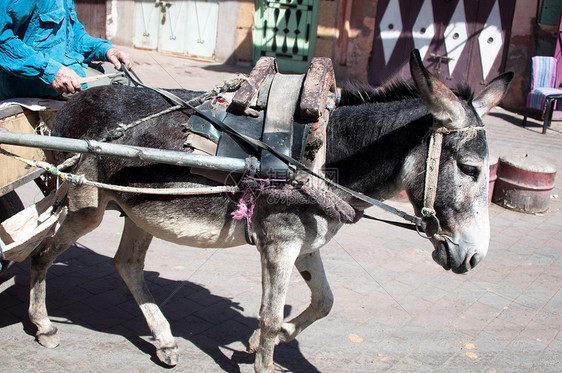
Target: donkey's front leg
x=129, y=262
x=277, y=263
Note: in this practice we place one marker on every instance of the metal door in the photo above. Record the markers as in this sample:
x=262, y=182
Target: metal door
x=460, y=41
x=172, y=31
x=202, y=23
x=147, y=24
x=286, y=29
x=183, y=27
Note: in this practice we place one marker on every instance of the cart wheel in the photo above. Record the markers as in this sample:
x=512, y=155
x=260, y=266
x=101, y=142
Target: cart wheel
x=10, y=204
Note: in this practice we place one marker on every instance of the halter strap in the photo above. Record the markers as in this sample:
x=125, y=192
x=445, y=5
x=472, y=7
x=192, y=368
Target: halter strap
x=432, y=167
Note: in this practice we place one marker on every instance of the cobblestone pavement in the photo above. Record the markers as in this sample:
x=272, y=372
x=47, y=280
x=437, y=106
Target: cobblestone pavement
x=395, y=309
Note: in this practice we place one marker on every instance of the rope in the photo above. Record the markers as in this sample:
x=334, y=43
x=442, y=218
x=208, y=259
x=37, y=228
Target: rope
x=116, y=133
x=229, y=85
x=166, y=191
x=82, y=180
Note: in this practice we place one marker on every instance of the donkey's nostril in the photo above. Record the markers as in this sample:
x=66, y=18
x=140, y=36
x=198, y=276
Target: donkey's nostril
x=474, y=260
x=470, y=261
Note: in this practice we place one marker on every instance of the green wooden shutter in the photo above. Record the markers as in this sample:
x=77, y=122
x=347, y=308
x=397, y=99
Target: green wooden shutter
x=286, y=29
x=550, y=12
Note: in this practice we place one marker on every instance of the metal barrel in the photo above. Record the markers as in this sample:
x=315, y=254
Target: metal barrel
x=125, y=151
x=524, y=183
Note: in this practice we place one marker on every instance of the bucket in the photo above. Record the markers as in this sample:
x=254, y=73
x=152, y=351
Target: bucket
x=524, y=183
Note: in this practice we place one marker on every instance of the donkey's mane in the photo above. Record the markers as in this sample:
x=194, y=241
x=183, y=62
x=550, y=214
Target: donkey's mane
x=355, y=93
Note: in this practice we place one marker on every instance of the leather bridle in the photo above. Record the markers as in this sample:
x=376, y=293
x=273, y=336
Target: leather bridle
x=432, y=176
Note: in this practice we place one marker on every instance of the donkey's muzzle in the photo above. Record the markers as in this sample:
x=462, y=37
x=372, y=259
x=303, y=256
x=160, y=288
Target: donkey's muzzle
x=450, y=257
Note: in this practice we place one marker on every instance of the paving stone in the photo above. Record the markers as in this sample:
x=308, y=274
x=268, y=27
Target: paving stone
x=429, y=294
x=495, y=300
x=411, y=364
x=475, y=318
x=518, y=314
x=503, y=329
x=550, y=360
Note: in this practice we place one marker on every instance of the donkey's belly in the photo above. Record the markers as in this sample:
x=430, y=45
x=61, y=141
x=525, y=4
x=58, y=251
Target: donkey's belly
x=191, y=230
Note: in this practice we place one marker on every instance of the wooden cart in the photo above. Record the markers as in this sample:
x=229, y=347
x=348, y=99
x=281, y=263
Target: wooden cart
x=15, y=220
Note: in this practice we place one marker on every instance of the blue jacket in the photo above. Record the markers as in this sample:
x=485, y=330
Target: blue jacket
x=36, y=38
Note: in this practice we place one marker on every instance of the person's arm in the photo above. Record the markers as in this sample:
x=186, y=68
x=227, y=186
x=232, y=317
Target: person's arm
x=94, y=49
x=15, y=56
x=18, y=58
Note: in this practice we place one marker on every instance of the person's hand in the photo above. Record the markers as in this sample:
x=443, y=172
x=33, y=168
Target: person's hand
x=118, y=57
x=66, y=81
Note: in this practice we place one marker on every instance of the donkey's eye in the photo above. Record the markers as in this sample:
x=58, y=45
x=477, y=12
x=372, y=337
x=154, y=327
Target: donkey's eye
x=470, y=170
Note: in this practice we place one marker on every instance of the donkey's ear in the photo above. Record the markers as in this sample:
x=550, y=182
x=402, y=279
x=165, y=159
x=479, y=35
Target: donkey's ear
x=493, y=93
x=439, y=100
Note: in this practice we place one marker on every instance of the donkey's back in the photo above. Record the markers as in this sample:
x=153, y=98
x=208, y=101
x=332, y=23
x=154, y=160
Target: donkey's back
x=198, y=220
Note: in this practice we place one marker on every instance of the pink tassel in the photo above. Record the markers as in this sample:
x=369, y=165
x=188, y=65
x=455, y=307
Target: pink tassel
x=243, y=211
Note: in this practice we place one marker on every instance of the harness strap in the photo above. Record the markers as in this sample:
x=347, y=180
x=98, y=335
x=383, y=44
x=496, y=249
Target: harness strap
x=285, y=158
x=432, y=165
x=278, y=125
x=432, y=173
x=395, y=223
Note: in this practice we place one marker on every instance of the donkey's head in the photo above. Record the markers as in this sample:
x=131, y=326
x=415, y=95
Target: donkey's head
x=452, y=193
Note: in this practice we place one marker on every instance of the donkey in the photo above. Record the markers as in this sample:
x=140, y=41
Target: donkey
x=377, y=139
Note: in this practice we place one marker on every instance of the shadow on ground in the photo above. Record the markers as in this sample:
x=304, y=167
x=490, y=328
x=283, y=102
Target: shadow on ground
x=85, y=289
x=226, y=68
x=533, y=124
x=514, y=119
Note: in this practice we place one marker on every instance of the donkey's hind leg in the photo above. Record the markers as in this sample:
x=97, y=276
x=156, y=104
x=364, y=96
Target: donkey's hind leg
x=129, y=262
x=311, y=268
x=312, y=271
x=76, y=225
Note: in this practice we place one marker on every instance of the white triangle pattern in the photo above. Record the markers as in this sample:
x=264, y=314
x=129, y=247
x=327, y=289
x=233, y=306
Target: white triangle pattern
x=424, y=29
x=490, y=40
x=391, y=28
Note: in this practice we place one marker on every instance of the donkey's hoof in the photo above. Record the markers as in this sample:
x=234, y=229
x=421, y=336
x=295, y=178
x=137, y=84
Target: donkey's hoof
x=50, y=339
x=168, y=355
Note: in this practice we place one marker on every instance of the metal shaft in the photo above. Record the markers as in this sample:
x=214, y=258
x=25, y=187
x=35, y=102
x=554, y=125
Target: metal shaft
x=126, y=151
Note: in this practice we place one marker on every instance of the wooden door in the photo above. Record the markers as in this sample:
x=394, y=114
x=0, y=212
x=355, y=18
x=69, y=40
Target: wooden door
x=459, y=40
x=92, y=14
x=558, y=53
